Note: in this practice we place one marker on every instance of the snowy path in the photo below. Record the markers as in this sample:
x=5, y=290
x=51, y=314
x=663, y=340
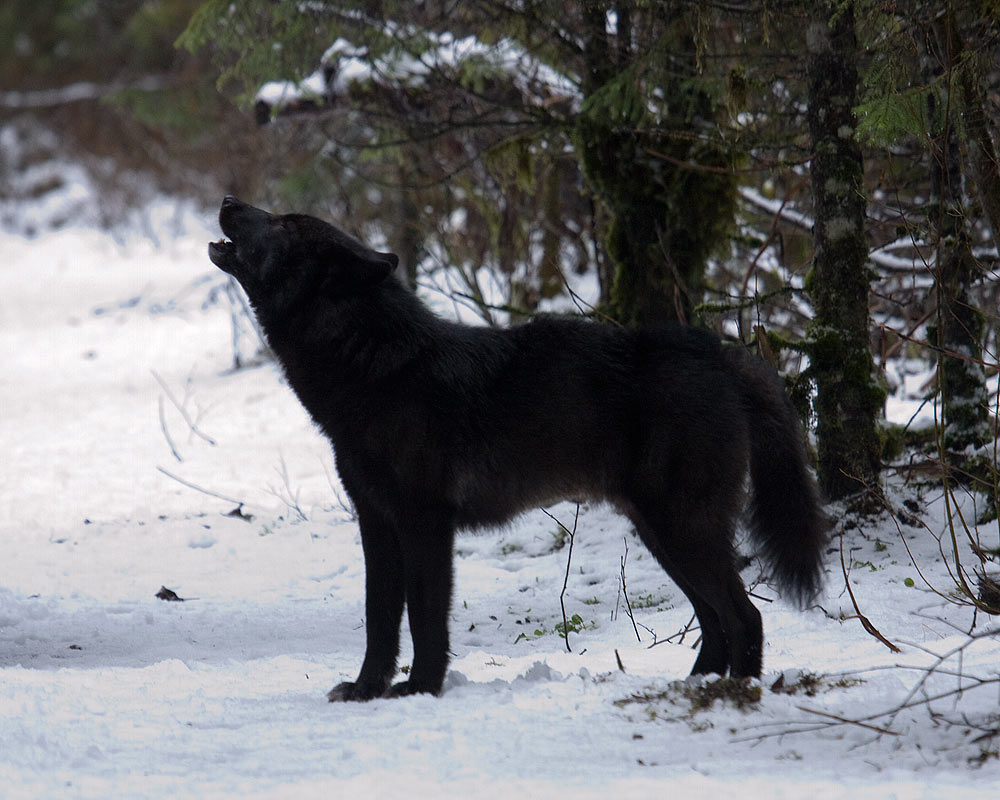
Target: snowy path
x=106, y=691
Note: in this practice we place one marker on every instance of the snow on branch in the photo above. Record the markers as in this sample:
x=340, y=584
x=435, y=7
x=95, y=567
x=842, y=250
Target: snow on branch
x=891, y=257
x=345, y=65
x=776, y=207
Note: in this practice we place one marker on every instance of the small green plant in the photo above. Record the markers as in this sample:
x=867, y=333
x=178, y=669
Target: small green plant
x=647, y=601
x=808, y=684
x=574, y=624
x=559, y=539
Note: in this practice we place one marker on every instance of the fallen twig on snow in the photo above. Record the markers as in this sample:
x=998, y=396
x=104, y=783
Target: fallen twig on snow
x=166, y=433
x=966, y=683
x=865, y=622
x=197, y=488
x=183, y=412
x=847, y=721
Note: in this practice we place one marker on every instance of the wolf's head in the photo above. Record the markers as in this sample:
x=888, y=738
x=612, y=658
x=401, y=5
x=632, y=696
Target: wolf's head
x=275, y=255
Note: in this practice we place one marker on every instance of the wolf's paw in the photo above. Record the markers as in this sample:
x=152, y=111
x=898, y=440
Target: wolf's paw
x=349, y=692
x=406, y=688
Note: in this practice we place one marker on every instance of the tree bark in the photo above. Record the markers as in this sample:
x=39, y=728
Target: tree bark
x=670, y=198
x=848, y=400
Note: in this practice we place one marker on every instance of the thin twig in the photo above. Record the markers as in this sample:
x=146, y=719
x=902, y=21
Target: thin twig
x=847, y=721
x=166, y=433
x=913, y=560
x=569, y=559
x=183, y=412
x=908, y=702
x=237, y=297
x=291, y=497
x=958, y=649
x=344, y=505
x=209, y=492
x=865, y=622
x=628, y=604
x=684, y=631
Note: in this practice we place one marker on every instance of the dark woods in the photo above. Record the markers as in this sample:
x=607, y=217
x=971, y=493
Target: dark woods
x=818, y=180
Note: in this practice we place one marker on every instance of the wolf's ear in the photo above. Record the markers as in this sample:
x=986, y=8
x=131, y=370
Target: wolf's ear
x=358, y=271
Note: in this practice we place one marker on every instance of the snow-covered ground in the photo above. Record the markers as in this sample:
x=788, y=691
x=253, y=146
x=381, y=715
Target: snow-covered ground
x=107, y=691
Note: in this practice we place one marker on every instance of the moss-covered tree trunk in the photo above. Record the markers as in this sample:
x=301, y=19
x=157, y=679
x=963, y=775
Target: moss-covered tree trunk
x=848, y=401
x=669, y=198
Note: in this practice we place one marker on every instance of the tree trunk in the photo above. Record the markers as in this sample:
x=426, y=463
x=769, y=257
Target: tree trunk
x=960, y=326
x=848, y=400
x=666, y=212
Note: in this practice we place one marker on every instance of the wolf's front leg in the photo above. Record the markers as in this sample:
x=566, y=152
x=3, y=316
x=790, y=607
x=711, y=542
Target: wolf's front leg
x=384, y=593
x=427, y=559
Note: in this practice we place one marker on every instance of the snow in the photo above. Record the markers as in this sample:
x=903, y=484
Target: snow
x=106, y=691
x=344, y=64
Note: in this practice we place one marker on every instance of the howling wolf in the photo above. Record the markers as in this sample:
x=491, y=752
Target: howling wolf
x=438, y=426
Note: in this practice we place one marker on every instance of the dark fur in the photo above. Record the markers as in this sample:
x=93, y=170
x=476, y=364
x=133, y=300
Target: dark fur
x=437, y=426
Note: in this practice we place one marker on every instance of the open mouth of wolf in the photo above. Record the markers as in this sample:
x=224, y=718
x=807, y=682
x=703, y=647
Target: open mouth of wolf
x=222, y=253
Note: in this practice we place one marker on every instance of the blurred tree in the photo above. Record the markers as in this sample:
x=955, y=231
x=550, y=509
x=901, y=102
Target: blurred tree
x=449, y=146
x=958, y=331
x=928, y=87
x=107, y=77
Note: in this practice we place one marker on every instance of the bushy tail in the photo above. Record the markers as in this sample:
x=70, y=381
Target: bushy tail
x=786, y=520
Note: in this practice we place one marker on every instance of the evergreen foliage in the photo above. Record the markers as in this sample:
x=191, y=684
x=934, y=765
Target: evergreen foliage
x=627, y=109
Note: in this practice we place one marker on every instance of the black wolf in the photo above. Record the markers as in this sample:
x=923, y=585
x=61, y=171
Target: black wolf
x=438, y=426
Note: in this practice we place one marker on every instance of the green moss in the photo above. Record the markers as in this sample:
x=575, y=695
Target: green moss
x=848, y=398
x=847, y=404
x=670, y=199
x=893, y=438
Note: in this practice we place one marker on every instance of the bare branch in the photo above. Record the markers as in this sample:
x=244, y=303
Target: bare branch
x=183, y=412
x=77, y=92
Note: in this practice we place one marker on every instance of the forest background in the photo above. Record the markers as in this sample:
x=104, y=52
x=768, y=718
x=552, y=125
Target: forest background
x=816, y=180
